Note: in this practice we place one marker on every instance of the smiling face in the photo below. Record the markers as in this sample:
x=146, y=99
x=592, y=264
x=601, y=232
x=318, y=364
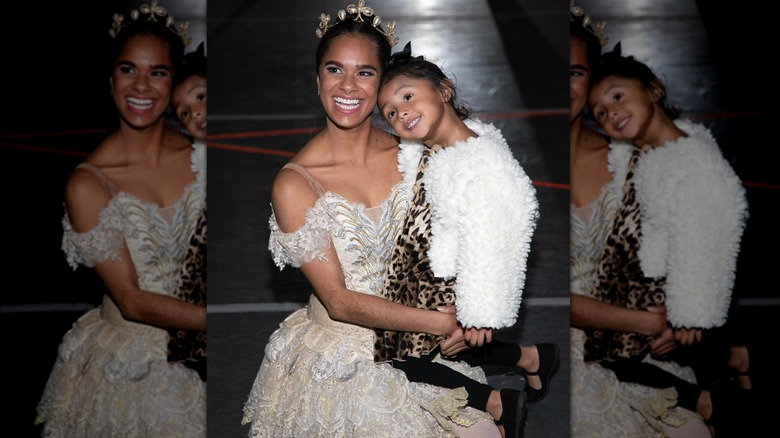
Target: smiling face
x=625, y=108
x=414, y=108
x=189, y=104
x=579, y=76
x=348, y=81
x=141, y=81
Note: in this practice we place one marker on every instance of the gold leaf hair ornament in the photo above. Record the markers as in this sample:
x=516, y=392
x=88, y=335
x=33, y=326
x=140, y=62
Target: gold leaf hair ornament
x=359, y=11
x=151, y=12
x=598, y=28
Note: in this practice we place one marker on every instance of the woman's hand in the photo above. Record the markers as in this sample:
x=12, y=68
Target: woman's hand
x=454, y=344
x=663, y=344
x=655, y=321
x=456, y=341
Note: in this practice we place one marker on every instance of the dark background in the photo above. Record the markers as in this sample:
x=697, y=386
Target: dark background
x=716, y=57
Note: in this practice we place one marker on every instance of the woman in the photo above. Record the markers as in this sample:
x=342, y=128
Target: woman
x=131, y=208
x=602, y=405
x=337, y=207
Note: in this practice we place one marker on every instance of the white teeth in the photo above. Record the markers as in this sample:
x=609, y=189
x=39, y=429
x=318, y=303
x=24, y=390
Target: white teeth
x=414, y=122
x=623, y=122
x=347, y=104
x=140, y=103
x=346, y=101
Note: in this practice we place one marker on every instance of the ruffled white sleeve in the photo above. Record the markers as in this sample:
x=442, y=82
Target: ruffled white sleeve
x=693, y=214
x=484, y=212
x=99, y=244
x=311, y=241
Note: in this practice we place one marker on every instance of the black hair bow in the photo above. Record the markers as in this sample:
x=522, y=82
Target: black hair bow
x=404, y=55
x=616, y=54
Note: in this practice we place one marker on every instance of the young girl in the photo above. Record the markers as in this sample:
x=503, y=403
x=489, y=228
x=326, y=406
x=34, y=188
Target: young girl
x=676, y=239
x=188, y=101
x=466, y=237
x=189, y=96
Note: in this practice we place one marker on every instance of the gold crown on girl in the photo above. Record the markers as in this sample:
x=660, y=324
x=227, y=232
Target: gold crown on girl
x=360, y=11
x=152, y=12
x=597, y=28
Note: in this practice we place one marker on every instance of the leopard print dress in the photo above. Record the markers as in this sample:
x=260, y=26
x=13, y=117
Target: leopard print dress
x=410, y=280
x=187, y=346
x=620, y=280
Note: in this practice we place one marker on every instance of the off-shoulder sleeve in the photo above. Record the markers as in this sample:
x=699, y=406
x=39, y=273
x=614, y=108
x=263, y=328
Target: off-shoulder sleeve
x=99, y=244
x=305, y=244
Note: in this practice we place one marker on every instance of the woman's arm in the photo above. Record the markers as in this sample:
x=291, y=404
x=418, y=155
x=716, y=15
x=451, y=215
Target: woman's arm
x=587, y=312
x=291, y=198
x=327, y=279
x=85, y=197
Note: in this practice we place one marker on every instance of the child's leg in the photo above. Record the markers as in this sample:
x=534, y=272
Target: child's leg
x=628, y=370
x=506, y=406
x=720, y=354
x=493, y=353
x=425, y=371
x=538, y=361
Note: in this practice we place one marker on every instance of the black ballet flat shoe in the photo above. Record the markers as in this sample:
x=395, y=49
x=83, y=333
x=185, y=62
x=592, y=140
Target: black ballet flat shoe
x=549, y=361
x=727, y=414
x=513, y=411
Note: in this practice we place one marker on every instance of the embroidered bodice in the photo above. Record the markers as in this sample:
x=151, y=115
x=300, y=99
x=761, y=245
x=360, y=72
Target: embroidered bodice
x=155, y=236
x=362, y=236
x=590, y=226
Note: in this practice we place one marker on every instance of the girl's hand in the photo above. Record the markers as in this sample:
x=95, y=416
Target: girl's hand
x=477, y=337
x=685, y=336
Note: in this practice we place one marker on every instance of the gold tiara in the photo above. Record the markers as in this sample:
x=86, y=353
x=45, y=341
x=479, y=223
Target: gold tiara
x=359, y=11
x=597, y=28
x=151, y=13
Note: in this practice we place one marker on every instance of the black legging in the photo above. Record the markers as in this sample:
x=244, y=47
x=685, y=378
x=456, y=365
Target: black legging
x=707, y=359
x=424, y=371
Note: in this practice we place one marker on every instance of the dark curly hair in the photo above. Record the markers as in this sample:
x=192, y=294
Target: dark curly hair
x=145, y=27
x=417, y=67
x=615, y=64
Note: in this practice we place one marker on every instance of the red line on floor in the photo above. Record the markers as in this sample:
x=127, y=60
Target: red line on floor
x=551, y=185
x=43, y=149
x=250, y=149
x=760, y=185
x=269, y=133
x=726, y=115
x=524, y=114
x=56, y=133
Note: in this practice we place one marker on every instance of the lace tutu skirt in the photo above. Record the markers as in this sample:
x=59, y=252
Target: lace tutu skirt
x=606, y=407
x=318, y=378
x=112, y=379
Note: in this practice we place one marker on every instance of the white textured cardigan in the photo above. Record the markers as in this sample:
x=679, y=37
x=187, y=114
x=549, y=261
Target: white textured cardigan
x=693, y=213
x=483, y=214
